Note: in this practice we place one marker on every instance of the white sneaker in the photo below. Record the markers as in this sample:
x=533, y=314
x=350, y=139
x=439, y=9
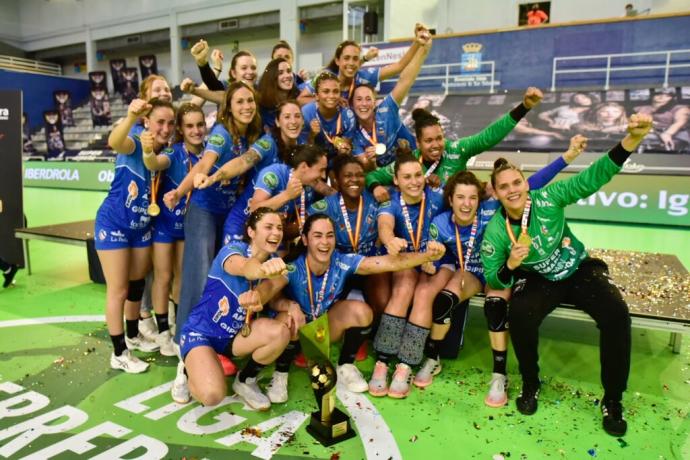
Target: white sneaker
x=171, y=316
x=277, y=390
x=128, y=363
x=497, y=395
x=251, y=394
x=148, y=328
x=180, y=389
x=378, y=385
x=349, y=375
x=141, y=343
x=164, y=341
x=425, y=376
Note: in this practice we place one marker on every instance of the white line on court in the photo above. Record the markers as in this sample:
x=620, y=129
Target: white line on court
x=368, y=421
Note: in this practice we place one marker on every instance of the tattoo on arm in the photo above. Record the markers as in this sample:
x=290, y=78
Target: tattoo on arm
x=251, y=157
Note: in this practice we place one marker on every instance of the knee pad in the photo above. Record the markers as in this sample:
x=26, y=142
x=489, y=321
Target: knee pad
x=444, y=304
x=496, y=312
x=136, y=290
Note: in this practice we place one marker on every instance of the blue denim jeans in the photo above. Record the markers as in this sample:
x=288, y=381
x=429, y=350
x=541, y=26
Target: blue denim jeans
x=203, y=237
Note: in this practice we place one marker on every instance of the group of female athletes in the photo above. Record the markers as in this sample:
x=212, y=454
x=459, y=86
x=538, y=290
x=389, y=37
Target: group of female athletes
x=311, y=198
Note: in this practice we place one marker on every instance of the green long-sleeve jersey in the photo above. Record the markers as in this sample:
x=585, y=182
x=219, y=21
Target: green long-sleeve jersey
x=456, y=154
x=555, y=252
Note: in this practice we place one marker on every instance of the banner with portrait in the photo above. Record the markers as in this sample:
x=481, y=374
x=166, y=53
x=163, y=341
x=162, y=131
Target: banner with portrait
x=55, y=142
x=148, y=65
x=99, y=100
x=116, y=68
x=63, y=104
x=130, y=84
x=601, y=116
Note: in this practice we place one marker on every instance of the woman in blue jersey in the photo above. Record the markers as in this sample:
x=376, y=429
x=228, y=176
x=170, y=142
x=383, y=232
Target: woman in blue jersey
x=277, y=85
x=153, y=86
x=123, y=230
x=171, y=165
x=316, y=282
x=288, y=188
x=379, y=126
x=238, y=127
x=218, y=323
x=353, y=210
x=460, y=274
x=326, y=121
x=347, y=66
x=403, y=224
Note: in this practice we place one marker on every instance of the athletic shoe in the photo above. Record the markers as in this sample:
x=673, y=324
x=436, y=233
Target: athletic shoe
x=614, y=423
x=128, y=362
x=164, y=341
x=277, y=390
x=527, y=401
x=148, y=328
x=425, y=376
x=300, y=360
x=350, y=377
x=400, y=383
x=362, y=352
x=141, y=343
x=251, y=394
x=497, y=395
x=180, y=388
x=229, y=367
x=378, y=385
x=9, y=275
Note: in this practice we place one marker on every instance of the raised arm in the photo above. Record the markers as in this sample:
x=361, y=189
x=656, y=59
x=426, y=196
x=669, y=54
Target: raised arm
x=263, y=198
x=188, y=86
x=253, y=269
x=152, y=161
x=119, y=139
x=233, y=168
x=202, y=166
x=546, y=174
x=410, y=72
x=420, y=32
x=386, y=227
x=394, y=263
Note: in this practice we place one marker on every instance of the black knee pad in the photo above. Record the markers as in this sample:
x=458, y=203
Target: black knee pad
x=444, y=304
x=496, y=312
x=136, y=290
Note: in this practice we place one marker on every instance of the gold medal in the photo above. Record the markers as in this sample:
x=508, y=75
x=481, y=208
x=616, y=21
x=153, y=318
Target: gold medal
x=524, y=239
x=380, y=149
x=246, y=330
x=320, y=334
x=153, y=210
x=338, y=142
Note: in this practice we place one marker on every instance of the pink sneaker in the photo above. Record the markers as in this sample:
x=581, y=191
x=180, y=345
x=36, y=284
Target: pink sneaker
x=378, y=385
x=400, y=383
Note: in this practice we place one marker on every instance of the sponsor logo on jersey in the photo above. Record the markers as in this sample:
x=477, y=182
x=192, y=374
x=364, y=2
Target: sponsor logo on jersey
x=264, y=143
x=102, y=234
x=433, y=231
x=271, y=180
x=488, y=248
x=216, y=140
x=320, y=205
x=291, y=268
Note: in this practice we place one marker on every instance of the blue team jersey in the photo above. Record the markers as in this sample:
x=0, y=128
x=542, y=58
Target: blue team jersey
x=172, y=222
x=268, y=117
x=342, y=266
x=267, y=149
x=347, y=126
x=128, y=199
x=388, y=124
x=433, y=206
x=220, y=197
x=364, y=76
x=443, y=230
x=218, y=313
x=368, y=233
x=274, y=179
x=137, y=129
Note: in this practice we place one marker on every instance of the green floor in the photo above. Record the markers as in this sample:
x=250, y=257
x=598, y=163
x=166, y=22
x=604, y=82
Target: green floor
x=68, y=363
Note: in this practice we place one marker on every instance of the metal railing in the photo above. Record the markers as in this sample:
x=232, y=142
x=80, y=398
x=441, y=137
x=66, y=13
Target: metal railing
x=609, y=67
x=448, y=77
x=29, y=65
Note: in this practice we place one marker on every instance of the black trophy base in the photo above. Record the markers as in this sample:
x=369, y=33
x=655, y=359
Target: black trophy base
x=338, y=429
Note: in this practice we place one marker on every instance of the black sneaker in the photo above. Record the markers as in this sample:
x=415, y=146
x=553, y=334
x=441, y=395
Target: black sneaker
x=527, y=401
x=614, y=423
x=9, y=275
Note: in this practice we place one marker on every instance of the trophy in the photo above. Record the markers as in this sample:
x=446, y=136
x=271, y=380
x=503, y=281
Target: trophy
x=329, y=425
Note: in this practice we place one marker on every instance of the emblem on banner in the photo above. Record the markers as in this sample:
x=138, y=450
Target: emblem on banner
x=471, y=58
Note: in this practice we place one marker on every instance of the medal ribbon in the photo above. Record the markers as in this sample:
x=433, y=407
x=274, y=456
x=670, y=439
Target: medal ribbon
x=155, y=180
x=338, y=125
x=523, y=222
x=316, y=310
x=416, y=241
x=431, y=169
x=372, y=139
x=470, y=244
x=354, y=240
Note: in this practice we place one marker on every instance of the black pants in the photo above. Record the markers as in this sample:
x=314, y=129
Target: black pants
x=589, y=289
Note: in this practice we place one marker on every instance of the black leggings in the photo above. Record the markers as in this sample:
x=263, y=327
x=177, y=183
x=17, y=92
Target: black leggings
x=589, y=289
